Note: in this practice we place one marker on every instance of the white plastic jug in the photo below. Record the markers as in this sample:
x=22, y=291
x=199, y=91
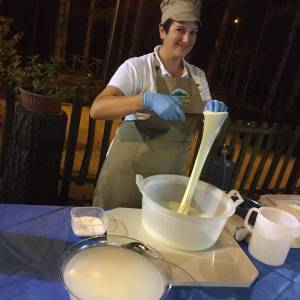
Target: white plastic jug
x=272, y=235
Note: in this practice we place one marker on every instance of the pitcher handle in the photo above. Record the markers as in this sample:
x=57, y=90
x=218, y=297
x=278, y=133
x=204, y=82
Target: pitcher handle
x=139, y=180
x=237, y=202
x=246, y=221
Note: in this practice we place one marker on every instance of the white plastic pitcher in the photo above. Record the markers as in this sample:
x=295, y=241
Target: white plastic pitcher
x=184, y=232
x=272, y=235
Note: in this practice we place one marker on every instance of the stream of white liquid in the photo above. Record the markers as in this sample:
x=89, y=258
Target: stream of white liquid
x=213, y=122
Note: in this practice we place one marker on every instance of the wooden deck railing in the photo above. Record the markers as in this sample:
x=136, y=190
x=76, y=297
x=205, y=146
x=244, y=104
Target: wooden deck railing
x=91, y=65
x=266, y=156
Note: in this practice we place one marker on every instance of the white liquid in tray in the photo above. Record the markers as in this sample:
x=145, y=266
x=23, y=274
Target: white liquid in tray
x=113, y=273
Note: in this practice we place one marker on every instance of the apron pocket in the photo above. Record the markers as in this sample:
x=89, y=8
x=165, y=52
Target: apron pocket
x=159, y=157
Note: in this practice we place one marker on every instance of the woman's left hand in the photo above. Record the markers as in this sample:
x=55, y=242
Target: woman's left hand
x=215, y=106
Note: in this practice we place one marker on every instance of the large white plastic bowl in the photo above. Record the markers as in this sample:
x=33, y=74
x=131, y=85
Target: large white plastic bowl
x=184, y=232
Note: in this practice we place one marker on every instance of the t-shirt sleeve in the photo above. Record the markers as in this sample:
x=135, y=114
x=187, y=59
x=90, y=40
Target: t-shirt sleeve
x=127, y=79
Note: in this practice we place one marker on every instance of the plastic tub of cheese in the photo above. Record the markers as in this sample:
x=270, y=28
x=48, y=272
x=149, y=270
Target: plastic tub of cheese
x=114, y=268
x=88, y=221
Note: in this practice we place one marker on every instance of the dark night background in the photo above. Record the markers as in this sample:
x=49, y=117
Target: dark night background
x=253, y=66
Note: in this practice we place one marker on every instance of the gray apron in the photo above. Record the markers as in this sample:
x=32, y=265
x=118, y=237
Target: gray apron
x=147, y=147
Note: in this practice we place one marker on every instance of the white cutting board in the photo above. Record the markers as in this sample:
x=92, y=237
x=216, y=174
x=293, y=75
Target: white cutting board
x=225, y=264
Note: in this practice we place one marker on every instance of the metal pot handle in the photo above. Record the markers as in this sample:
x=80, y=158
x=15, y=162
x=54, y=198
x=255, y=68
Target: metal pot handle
x=235, y=193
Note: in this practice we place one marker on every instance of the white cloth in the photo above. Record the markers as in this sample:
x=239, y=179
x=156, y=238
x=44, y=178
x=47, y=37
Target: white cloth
x=137, y=75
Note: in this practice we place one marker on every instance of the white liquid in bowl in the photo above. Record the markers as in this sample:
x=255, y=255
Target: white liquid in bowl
x=113, y=273
x=173, y=206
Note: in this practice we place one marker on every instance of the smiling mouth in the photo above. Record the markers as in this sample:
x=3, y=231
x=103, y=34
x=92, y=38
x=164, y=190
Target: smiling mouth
x=183, y=47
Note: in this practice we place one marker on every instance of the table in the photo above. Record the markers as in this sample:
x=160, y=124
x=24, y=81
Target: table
x=33, y=238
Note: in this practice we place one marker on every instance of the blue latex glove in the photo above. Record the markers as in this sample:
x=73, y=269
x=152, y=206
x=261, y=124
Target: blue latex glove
x=165, y=106
x=215, y=106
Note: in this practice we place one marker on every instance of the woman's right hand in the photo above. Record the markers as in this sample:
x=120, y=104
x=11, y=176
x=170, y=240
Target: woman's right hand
x=165, y=106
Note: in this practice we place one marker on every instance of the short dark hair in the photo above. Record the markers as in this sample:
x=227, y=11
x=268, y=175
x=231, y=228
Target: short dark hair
x=167, y=24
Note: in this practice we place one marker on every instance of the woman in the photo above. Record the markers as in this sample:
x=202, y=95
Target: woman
x=156, y=136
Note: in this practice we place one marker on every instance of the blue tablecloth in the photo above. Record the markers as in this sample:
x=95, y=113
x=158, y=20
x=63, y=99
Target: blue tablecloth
x=33, y=238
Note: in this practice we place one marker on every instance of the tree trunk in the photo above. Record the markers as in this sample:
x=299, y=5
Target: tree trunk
x=62, y=27
x=294, y=91
x=31, y=172
x=285, y=56
x=87, y=42
x=137, y=29
x=220, y=39
x=108, y=54
x=122, y=34
x=258, y=43
x=59, y=28
x=34, y=26
x=226, y=67
x=66, y=27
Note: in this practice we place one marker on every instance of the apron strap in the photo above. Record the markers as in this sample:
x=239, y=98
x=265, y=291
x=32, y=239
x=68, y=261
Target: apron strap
x=157, y=71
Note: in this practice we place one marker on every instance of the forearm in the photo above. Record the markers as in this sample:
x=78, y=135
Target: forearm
x=113, y=107
x=111, y=104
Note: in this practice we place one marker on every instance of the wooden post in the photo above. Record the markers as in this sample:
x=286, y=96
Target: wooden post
x=71, y=147
x=9, y=115
x=31, y=171
x=291, y=187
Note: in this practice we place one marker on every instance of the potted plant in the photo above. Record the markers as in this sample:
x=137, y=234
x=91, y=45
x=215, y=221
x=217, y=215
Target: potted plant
x=44, y=84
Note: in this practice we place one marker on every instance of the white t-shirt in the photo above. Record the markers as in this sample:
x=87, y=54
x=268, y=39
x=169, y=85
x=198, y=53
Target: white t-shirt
x=137, y=75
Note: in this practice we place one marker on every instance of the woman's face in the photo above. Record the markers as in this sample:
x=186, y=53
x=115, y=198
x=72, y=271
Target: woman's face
x=180, y=39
